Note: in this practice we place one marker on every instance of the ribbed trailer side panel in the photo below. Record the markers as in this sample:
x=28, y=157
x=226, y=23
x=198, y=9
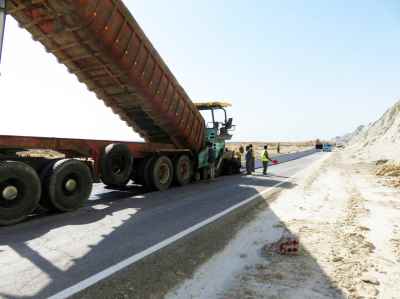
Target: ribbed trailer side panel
x=100, y=42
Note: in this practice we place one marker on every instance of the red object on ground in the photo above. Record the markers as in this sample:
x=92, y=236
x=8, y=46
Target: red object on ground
x=289, y=247
x=275, y=162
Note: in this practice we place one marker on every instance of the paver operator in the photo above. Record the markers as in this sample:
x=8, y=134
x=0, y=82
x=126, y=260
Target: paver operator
x=249, y=159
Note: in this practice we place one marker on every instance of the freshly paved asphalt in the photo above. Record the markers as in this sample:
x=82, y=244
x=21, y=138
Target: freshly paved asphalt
x=46, y=254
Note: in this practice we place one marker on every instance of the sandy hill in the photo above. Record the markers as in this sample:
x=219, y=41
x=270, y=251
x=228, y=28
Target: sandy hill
x=349, y=136
x=381, y=139
x=356, y=135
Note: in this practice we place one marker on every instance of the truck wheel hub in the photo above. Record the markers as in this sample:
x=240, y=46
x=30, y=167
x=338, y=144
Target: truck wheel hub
x=71, y=185
x=164, y=174
x=10, y=193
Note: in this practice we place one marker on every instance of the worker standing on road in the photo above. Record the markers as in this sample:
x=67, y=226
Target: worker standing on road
x=211, y=160
x=240, y=153
x=248, y=158
x=278, y=148
x=253, y=159
x=265, y=159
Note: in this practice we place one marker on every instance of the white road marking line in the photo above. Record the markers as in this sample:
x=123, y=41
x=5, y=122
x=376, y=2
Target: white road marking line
x=68, y=292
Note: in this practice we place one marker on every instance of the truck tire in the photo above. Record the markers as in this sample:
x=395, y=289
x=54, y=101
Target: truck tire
x=183, y=170
x=67, y=185
x=142, y=173
x=20, y=191
x=116, y=164
x=161, y=173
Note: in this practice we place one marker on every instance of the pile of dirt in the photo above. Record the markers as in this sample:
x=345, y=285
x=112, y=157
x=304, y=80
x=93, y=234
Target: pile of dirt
x=391, y=171
x=381, y=139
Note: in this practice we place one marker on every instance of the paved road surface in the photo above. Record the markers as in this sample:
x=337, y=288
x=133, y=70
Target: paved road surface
x=45, y=255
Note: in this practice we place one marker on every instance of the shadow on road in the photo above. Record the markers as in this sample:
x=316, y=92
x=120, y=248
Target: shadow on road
x=147, y=218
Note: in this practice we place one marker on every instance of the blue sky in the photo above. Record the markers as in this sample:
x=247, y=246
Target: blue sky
x=294, y=70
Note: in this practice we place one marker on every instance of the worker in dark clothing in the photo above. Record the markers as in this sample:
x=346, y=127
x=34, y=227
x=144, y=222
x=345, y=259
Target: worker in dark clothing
x=253, y=159
x=248, y=158
x=278, y=148
x=211, y=160
x=265, y=159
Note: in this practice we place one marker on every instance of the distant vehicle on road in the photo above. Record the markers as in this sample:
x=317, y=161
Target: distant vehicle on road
x=318, y=144
x=327, y=147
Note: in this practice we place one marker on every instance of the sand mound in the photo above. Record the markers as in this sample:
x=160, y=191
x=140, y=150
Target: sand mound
x=357, y=135
x=391, y=172
x=381, y=139
x=389, y=169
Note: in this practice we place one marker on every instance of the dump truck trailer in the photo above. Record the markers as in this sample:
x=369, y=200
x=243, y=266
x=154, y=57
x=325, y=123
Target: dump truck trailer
x=101, y=43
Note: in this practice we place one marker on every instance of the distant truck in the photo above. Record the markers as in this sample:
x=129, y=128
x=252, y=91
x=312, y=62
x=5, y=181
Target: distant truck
x=101, y=43
x=318, y=145
x=327, y=147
